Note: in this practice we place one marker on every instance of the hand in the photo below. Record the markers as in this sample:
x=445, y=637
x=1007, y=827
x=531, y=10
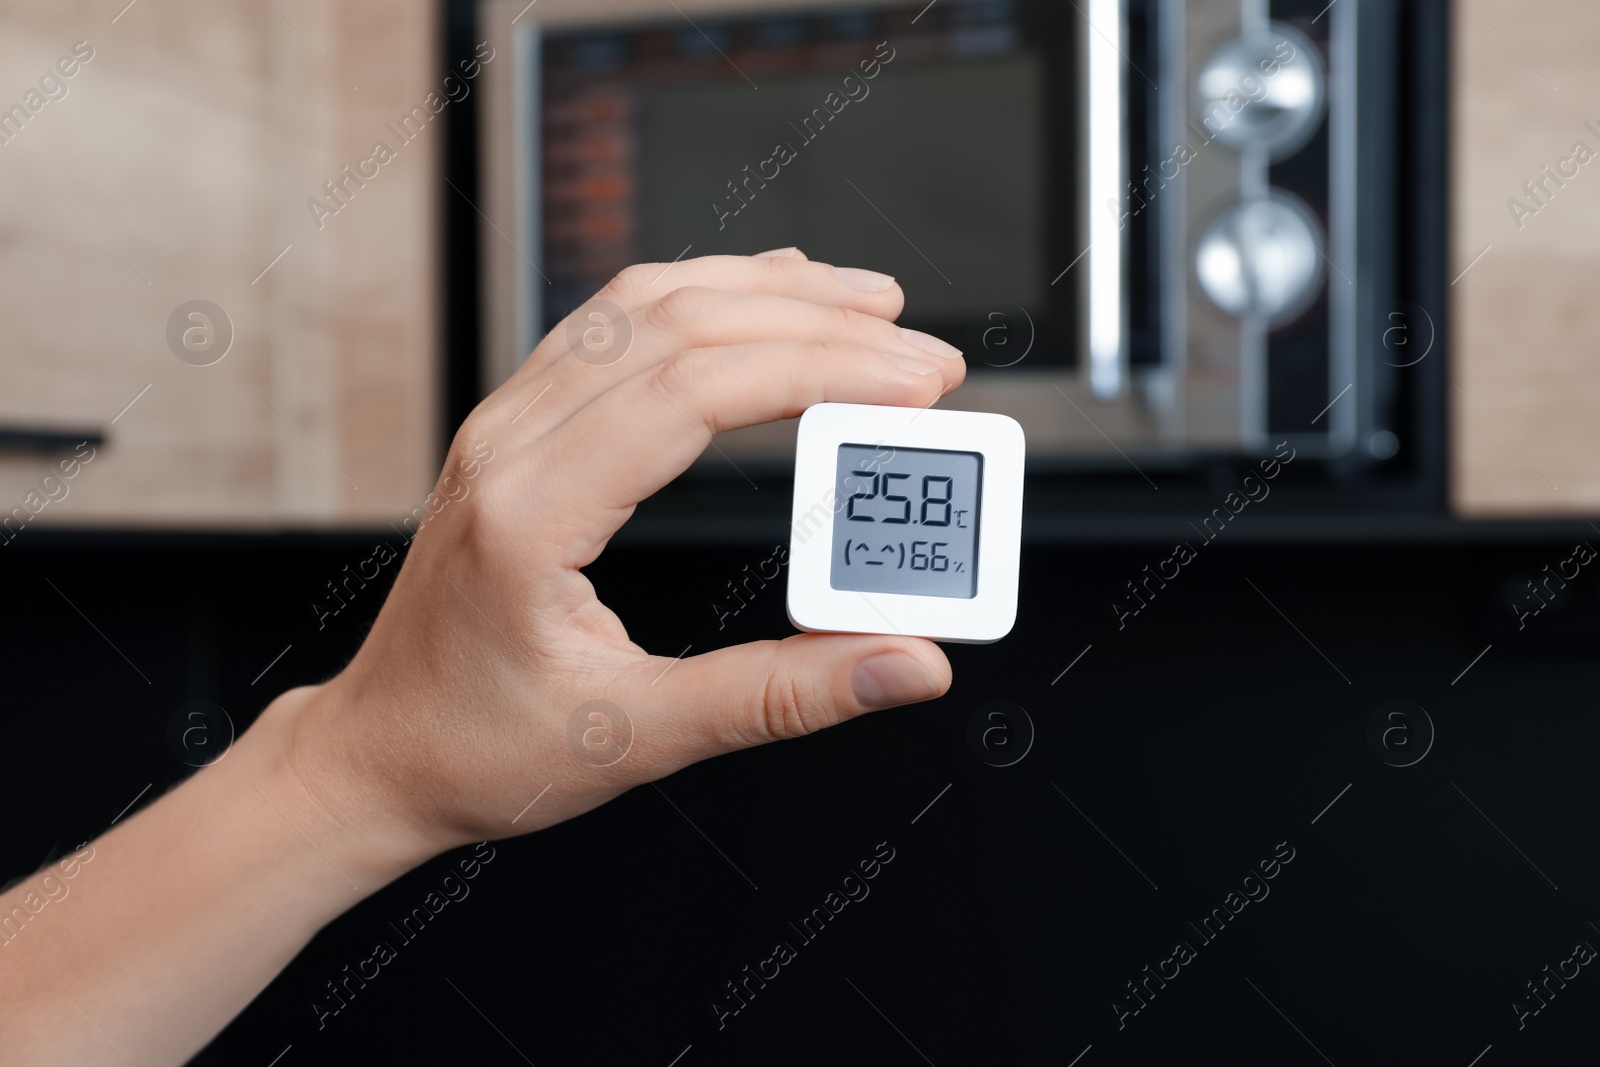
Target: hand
x=456, y=711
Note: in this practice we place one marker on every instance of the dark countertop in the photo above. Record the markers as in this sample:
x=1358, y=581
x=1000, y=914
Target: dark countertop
x=1225, y=724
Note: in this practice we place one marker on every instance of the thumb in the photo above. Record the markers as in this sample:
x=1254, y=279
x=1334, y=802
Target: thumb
x=774, y=690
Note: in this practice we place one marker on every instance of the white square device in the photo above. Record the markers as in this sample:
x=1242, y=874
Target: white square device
x=906, y=521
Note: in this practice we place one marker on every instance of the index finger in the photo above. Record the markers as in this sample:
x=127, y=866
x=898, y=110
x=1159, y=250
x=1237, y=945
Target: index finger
x=639, y=286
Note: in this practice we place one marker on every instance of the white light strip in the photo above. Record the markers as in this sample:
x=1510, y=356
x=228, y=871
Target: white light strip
x=1106, y=42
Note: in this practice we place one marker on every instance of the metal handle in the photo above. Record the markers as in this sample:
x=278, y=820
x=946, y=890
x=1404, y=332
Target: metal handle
x=1105, y=162
x=30, y=439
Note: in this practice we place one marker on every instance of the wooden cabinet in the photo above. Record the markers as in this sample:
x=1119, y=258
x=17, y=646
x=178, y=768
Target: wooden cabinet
x=179, y=160
x=177, y=164
x=1525, y=404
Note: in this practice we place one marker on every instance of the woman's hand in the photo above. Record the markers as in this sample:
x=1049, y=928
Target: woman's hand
x=495, y=694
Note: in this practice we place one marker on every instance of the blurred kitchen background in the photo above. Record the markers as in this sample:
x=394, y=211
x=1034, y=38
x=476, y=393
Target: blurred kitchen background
x=262, y=257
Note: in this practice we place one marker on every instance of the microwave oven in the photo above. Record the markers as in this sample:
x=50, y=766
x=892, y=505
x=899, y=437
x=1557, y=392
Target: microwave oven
x=1167, y=233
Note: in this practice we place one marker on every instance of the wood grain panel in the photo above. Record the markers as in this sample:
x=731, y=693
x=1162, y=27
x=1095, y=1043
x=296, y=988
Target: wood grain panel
x=1526, y=317
x=177, y=167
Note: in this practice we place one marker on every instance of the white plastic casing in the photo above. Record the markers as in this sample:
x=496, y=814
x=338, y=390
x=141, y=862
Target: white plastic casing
x=814, y=605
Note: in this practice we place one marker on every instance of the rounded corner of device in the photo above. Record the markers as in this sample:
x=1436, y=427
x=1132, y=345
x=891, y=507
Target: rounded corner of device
x=1014, y=428
x=788, y=608
x=814, y=412
x=998, y=635
x=1003, y=625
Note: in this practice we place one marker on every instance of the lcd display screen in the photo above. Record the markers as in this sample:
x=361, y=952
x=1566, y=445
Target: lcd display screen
x=907, y=521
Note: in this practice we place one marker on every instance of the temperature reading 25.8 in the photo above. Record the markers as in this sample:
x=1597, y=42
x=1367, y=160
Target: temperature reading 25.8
x=885, y=500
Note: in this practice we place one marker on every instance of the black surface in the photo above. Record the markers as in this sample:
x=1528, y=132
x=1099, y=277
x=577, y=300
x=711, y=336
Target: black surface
x=461, y=297
x=1195, y=739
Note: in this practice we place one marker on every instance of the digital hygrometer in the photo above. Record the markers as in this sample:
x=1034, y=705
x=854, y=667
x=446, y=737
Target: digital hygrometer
x=906, y=521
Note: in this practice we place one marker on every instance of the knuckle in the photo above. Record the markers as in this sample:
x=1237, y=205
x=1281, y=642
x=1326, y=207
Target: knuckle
x=470, y=454
x=675, y=376
x=471, y=448
x=630, y=281
x=471, y=429
x=790, y=709
x=779, y=268
x=678, y=310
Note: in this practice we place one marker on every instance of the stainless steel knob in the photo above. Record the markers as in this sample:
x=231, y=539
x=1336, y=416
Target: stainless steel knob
x=1265, y=88
x=1262, y=257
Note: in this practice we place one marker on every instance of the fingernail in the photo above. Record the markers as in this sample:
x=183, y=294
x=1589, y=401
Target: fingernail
x=868, y=281
x=889, y=679
x=777, y=253
x=929, y=343
x=911, y=363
